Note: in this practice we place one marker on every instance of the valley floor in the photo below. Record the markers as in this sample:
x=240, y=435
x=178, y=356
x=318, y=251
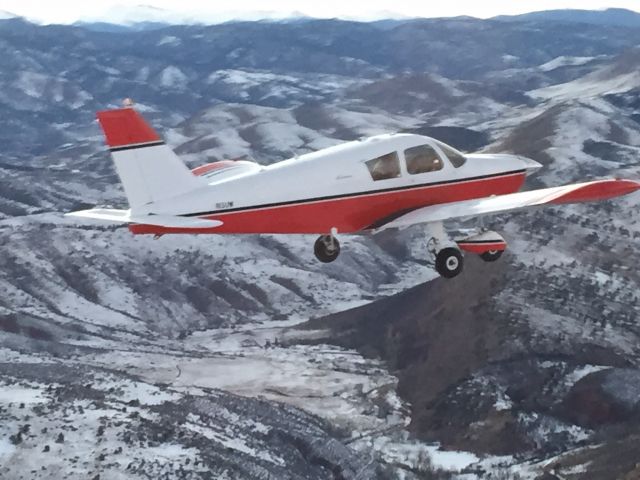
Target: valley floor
x=270, y=361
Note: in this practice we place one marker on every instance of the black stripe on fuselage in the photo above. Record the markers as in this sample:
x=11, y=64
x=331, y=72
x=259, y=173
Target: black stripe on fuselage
x=137, y=145
x=356, y=194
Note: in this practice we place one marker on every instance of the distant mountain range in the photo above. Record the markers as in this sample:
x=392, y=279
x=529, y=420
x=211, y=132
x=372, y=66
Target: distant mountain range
x=611, y=16
x=145, y=17
x=6, y=15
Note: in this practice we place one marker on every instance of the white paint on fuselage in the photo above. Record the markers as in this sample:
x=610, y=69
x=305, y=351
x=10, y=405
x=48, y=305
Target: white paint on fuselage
x=333, y=171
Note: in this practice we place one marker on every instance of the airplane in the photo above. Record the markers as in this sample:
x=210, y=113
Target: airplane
x=388, y=181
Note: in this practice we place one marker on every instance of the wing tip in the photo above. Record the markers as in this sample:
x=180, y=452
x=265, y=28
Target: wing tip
x=599, y=190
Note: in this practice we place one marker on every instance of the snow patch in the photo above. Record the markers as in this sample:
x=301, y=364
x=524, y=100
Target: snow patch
x=170, y=41
x=246, y=79
x=20, y=394
x=590, y=86
x=451, y=460
x=6, y=448
x=564, y=61
x=173, y=77
x=32, y=83
x=582, y=372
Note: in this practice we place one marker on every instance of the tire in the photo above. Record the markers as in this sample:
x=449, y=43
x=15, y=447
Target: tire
x=491, y=255
x=449, y=262
x=326, y=248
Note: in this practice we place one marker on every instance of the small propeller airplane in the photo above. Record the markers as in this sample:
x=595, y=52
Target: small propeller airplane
x=369, y=185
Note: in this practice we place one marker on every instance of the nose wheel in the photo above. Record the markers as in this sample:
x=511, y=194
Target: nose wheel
x=449, y=262
x=326, y=248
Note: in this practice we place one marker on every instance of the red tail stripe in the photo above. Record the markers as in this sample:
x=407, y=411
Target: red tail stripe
x=125, y=127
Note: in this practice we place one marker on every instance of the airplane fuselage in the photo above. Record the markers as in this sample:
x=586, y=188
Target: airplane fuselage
x=334, y=189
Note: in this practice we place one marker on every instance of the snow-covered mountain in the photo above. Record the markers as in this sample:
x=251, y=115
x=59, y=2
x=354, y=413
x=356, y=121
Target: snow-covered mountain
x=109, y=339
x=4, y=15
x=611, y=16
x=141, y=17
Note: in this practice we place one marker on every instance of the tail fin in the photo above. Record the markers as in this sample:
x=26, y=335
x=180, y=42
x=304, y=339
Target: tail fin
x=148, y=169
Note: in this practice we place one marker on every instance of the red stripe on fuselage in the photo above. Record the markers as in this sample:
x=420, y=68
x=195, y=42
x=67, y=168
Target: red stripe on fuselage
x=347, y=214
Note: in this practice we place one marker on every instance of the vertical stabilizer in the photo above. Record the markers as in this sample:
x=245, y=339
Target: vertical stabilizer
x=148, y=169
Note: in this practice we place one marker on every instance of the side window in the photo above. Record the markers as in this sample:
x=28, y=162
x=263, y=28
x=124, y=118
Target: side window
x=456, y=158
x=422, y=159
x=384, y=167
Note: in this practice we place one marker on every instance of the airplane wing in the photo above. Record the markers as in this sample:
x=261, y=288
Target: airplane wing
x=579, y=192
x=125, y=216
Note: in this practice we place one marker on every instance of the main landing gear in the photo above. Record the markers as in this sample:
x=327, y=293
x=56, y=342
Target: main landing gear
x=449, y=262
x=447, y=256
x=327, y=248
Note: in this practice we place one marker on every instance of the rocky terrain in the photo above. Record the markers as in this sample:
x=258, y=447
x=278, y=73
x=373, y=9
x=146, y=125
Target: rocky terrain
x=179, y=357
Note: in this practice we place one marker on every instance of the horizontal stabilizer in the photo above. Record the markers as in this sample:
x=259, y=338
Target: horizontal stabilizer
x=579, y=192
x=125, y=216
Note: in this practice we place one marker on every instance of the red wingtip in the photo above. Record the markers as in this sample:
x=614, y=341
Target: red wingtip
x=124, y=127
x=601, y=190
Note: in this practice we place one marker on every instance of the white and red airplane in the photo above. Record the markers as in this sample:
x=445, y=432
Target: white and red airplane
x=368, y=185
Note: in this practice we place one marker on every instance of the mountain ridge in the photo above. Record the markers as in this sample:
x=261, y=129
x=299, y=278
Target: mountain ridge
x=145, y=17
x=610, y=16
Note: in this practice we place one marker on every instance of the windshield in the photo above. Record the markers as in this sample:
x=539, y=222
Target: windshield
x=456, y=157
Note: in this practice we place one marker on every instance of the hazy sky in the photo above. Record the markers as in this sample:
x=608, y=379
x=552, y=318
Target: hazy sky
x=66, y=11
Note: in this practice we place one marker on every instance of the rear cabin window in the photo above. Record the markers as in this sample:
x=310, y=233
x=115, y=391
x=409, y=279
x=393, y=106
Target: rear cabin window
x=384, y=167
x=456, y=158
x=422, y=159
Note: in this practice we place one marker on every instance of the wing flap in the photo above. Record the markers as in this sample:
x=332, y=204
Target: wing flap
x=579, y=192
x=125, y=216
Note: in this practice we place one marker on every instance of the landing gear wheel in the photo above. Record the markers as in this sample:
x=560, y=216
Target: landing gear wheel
x=491, y=255
x=449, y=262
x=326, y=248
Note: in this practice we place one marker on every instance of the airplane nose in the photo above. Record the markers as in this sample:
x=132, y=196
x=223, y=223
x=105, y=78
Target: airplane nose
x=529, y=165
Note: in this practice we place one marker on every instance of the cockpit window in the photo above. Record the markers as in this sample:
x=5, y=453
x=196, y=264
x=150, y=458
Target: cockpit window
x=456, y=158
x=384, y=167
x=422, y=159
